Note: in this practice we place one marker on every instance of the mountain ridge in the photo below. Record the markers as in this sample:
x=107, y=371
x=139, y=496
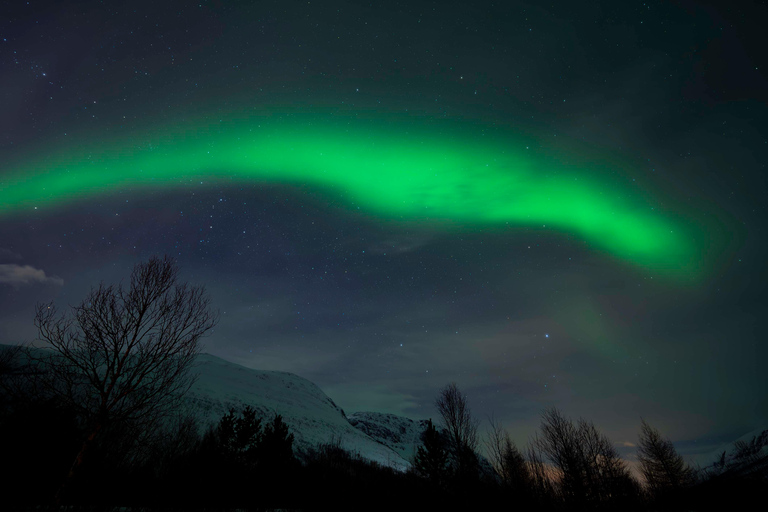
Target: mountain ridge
x=312, y=416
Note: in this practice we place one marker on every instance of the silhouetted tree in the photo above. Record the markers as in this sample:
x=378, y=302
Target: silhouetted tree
x=16, y=375
x=124, y=355
x=588, y=469
x=544, y=478
x=664, y=469
x=431, y=458
x=240, y=435
x=559, y=444
x=10, y=367
x=608, y=476
x=174, y=441
x=9, y=360
x=749, y=458
x=461, y=430
x=276, y=447
x=719, y=464
x=506, y=458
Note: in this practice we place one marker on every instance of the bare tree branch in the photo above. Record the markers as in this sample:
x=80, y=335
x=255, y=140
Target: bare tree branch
x=460, y=426
x=124, y=355
x=588, y=467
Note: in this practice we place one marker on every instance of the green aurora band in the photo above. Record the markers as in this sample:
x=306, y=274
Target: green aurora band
x=400, y=172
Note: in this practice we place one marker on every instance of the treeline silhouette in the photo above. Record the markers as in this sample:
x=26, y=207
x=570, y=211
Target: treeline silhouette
x=243, y=462
x=246, y=462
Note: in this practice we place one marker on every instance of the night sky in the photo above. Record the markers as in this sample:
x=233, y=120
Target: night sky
x=557, y=203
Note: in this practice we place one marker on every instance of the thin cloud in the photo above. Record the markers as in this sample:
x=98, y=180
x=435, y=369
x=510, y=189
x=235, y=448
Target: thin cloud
x=17, y=275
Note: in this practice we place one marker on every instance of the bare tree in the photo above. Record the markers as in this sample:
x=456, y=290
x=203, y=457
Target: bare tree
x=460, y=427
x=588, y=467
x=544, y=478
x=124, y=355
x=607, y=474
x=496, y=441
x=559, y=443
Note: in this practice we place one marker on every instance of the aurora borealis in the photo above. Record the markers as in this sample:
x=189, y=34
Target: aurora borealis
x=550, y=205
x=419, y=177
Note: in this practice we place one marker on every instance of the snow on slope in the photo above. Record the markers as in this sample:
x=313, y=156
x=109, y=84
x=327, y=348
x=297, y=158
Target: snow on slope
x=401, y=434
x=707, y=459
x=312, y=416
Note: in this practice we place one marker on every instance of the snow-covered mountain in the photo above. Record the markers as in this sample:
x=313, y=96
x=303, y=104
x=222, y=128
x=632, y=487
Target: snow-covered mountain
x=401, y=434
x=312, y=416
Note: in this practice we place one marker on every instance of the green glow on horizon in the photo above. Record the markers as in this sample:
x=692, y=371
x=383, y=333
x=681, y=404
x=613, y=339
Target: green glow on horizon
x=394, y=172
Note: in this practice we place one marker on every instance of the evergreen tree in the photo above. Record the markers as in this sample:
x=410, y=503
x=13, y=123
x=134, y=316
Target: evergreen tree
x=663, y=468
x=240, y=436
x=432, y=457
x=748, y=457
x=225, y=431
x=276, y=446
x=516, y=474
x=505, y=458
